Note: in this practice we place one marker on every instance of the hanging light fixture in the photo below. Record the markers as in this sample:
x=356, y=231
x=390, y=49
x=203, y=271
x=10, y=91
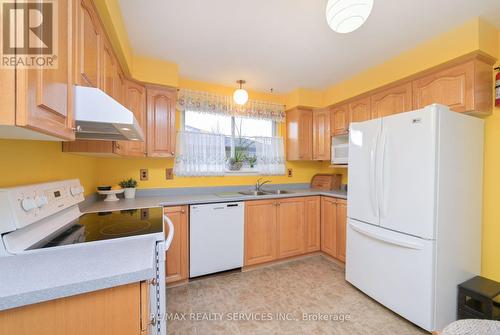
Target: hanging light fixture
x=240, y=96
x=345, y=16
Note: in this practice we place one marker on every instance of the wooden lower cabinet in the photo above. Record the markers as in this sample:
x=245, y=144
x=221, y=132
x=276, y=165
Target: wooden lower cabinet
x=121, y=310
x=281, y=228
x=329, y=226
x=291, y=220
x=312, y=233
x=260, y=231
x=333, y=227
x=341, y=228
x=177, y=263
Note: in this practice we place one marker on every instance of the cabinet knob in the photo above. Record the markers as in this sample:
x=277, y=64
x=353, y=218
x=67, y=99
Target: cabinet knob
x=152, y=322
x=172, y=153
x=153, y=282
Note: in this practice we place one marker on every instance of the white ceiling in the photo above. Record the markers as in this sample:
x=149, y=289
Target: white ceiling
x=285, y=44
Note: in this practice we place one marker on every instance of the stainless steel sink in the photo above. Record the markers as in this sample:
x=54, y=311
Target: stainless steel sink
x=253, y=193
x=278, y=192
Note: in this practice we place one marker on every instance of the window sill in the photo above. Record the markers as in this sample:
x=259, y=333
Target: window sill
x=242, y=172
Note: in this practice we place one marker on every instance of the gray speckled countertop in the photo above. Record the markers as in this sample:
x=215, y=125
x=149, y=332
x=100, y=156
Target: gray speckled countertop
x=155, y=198
x=60, y=272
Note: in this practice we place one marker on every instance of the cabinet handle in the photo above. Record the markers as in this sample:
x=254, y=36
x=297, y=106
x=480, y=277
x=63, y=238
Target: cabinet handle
x=153, y=282
x=172, y=153
x=183, y=211
x=152, y=322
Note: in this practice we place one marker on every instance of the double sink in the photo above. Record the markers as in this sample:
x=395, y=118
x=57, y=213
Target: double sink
x=270, y=192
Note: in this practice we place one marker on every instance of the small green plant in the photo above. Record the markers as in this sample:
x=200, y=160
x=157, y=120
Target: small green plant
x=130, y=183
x=252, y=160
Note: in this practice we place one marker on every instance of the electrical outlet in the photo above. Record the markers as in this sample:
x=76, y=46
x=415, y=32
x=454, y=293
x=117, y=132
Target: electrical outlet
x=290, y=172
x=169, y=173
x=144, y=174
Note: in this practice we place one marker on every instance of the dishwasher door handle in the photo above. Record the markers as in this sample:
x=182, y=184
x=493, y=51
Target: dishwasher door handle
x=171, y=230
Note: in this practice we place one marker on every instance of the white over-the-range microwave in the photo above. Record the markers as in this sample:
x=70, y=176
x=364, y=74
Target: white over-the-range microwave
x=340, y=150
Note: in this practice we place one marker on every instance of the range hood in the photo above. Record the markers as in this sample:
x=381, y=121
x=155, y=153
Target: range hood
x=100, y=117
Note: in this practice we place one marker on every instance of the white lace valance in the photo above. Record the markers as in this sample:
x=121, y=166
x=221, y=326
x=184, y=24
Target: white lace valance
x=206, y=102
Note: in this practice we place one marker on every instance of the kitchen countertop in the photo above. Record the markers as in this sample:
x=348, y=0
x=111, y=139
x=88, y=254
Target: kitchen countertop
x=198, y=198
x=44, y=275
x=60, y=272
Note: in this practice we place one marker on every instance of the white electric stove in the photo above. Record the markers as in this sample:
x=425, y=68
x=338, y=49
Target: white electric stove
x=45, y=217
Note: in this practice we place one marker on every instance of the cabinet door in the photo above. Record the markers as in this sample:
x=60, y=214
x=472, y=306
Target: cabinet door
x=44, y=97
x=177, y=255
x=299, y=141
x=360, y=110
x=108, y=73
x=394, y=100
x=312, y=235
x=321, y=135
x=260, y=231
x=135, y=100
x=98, y=312
x=305, y=135
x=328, y=226
x=161, y=122
x=339, y=120
x=341, y=228
x=291, y=217
x=453, y=87
x=89, y=45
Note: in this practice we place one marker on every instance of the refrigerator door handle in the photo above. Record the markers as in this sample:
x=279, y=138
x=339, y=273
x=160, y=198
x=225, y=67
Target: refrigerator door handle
x=400, y=242
x=382, y=176
x=372, y=170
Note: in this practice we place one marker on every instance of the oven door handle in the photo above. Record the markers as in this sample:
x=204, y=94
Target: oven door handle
x=171, y=229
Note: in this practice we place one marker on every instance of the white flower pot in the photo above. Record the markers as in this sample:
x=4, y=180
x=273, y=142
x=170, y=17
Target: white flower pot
x=130, y=193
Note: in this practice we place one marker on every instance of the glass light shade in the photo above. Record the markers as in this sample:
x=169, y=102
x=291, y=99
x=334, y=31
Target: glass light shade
x=240, y=96
x=345, y=16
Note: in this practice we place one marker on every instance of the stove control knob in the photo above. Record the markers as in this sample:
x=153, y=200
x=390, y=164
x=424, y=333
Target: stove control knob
x=76, y=190
x=41, y=200
x=28, y=204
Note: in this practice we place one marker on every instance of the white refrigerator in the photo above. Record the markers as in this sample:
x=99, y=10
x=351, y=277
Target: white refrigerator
x=414, y=211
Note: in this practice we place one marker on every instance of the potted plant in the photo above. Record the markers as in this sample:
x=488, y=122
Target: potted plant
x=236, y=162
x=251, y=161
x=129, y=186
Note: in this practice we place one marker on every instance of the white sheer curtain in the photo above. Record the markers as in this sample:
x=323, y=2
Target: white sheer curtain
x=200, y=154
x=270, y=154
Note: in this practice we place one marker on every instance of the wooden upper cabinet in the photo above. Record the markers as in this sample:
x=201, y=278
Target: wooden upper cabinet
x=463, y=88
x=135, y=100
x=299, y=134
x=291, y=221
x=45, y=96
x=177, y=267
x=393, y=100
x=88, y=48
x=161, y=103
x=329, y=226
x=260, y=231
x=312, y=230
x=360, y=110
x=109, y=71
x=339, y=120
x=341, y=221
x=321, y=135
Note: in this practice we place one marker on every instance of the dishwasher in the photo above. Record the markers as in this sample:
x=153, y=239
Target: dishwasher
x=216, y=237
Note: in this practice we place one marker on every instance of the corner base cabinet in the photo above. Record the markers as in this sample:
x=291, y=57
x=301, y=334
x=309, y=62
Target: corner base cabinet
x=120, y=310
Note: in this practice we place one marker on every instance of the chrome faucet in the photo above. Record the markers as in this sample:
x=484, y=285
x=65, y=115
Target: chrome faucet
x=259, y=184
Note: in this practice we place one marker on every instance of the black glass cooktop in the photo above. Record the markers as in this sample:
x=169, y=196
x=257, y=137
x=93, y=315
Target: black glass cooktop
x=109, y=225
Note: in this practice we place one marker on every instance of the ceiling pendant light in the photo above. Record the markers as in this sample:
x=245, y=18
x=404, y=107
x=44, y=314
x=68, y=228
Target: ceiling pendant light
x=240, y=96
x=345, y=16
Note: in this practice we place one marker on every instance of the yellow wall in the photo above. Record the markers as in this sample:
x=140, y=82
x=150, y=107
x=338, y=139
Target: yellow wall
x=491, y=213
x=29, y=162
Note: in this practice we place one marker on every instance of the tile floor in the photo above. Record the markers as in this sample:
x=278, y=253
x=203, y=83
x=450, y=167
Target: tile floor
x=276, y=297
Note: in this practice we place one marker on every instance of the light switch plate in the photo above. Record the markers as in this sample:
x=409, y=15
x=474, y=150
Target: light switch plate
x=290, y=172
x=144, y=174
x=169, y=173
